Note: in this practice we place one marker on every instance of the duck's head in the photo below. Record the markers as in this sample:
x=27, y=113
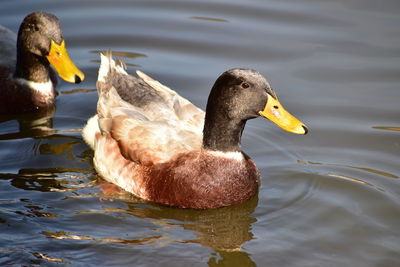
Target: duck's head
x=40, y=35
x=237, y=96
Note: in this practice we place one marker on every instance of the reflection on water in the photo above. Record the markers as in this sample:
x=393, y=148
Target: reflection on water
x=47, y=180
x=387, y=128
x=150, y=240
x=236, y=258
x=48, y=258
x=350, y=179
x=225, y=229
x=386, y=174
x=36, y=211
x=210, y=19
x=36, y=124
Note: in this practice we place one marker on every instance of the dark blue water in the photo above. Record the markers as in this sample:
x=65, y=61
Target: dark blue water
x=331, y=198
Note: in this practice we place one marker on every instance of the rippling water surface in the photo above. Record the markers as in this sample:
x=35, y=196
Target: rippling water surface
x=330, y=198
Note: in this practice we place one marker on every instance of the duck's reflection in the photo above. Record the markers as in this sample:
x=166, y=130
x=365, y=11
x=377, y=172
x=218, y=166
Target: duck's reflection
x=35, y=125
x=48, y=179
x=224, y=230
x=45, y=178
x=232, y=258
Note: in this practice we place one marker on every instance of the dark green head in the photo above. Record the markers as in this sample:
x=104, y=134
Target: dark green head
x=237, y=96
x=40, y=43
x=36, y=32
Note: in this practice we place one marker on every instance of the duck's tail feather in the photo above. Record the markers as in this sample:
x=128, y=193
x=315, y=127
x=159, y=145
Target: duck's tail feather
x=108, y=68
x=145, y=95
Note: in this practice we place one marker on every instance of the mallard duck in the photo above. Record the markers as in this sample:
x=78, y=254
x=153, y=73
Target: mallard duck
x=157, y=145
x=27, y=82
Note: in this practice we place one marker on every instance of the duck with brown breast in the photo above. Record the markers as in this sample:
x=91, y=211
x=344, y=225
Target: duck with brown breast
x=152, y=142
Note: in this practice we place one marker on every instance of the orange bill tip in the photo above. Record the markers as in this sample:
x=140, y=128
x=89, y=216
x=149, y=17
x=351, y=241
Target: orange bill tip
x=275, y=112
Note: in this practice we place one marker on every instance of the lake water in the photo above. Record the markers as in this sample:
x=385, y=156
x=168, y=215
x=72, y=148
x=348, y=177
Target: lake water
x=330, y=198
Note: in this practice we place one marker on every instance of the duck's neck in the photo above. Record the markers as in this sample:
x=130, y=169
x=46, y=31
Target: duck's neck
x=32, y=68
x=222, y=134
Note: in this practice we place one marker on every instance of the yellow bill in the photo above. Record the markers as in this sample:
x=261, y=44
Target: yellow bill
x=276, y=113
x=59, y=59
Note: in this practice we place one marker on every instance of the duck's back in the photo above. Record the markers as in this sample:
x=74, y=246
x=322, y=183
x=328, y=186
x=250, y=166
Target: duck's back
x=150, y=122
x=8, y=48
x=8, y=51
x=129, y=88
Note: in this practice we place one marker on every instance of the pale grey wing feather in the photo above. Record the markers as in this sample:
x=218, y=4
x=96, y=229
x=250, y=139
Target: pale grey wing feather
x=150, y=133
x=183, y=108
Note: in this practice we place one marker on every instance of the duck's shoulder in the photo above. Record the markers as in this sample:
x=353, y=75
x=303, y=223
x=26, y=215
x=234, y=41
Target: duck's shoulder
x=19, y=95
x=205, y=179
x=13, y=95
x=8, y=49
x=151, y=142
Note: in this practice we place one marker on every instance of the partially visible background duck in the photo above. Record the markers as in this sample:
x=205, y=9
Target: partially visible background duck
x=27, y=82
x=157, y=145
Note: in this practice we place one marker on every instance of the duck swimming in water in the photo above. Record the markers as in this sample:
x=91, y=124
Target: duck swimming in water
x=27, y=82
x=154, y=143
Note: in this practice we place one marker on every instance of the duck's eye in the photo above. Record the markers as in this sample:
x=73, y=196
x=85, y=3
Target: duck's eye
x=245, y=85
x=276, y=107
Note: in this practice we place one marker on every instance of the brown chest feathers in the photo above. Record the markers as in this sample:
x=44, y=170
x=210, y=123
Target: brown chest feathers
x=16, y=97
x=202, y=181
x=197, y=179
